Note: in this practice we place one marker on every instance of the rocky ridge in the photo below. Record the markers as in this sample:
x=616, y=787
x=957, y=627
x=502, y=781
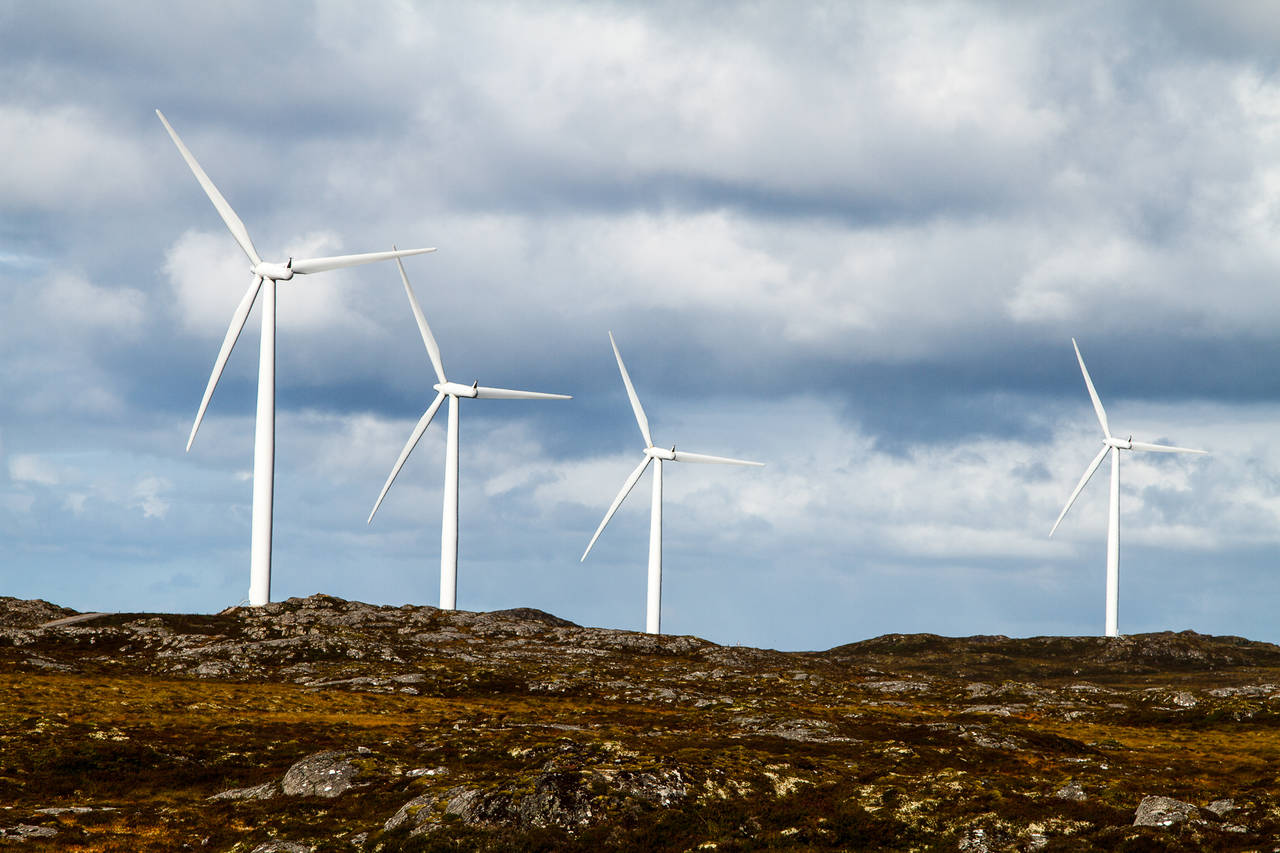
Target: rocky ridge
x=321, y=724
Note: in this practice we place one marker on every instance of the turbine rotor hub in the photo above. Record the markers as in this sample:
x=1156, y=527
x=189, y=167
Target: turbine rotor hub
x=660, y=453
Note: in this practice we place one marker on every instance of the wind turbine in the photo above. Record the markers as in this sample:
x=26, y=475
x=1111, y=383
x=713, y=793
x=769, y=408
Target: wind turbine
x=265, y=276
x=444, y=388
x=1112, y=445
x=656, y=455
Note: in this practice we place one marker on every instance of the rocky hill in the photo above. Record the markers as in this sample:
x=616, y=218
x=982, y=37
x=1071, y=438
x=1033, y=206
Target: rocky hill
x=324, y=725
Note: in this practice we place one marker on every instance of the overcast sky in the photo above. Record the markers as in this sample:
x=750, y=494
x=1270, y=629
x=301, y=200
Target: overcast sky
x=850, y=240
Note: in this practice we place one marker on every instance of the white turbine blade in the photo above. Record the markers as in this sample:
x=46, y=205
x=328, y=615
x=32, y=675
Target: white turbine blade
x=631, y=392
x=433, y=349
x=1093, y=394
x=233, y=334
x=304, y=266
x=423, y=423
x=234, y=225
x=483, y=393
x=617, y=502
x=1093, y=466
x=685, y=456
x=1162, y=448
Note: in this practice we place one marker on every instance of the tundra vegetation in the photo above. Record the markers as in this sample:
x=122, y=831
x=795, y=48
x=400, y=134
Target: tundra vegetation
x=320, y=724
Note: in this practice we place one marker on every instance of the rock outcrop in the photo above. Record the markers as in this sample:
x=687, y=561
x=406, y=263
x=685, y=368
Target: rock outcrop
x=1163, y=811
x=325, y=774
x=29, y=613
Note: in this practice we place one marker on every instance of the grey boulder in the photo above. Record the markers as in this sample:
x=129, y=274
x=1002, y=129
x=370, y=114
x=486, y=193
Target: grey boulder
x=325, y=774
x=1163, y=811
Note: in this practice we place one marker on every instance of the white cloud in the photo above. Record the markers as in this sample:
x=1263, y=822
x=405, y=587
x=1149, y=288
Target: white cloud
x=66, y=155
x=969, y=499
x=32, y=468
x=775, y=100
x=209, y=275
x=80, y=311
x=147, y=494
x=346, y=448
x=74, y=304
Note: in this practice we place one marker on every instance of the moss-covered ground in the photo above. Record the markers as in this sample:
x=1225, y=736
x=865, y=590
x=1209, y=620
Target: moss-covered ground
x=116, y=732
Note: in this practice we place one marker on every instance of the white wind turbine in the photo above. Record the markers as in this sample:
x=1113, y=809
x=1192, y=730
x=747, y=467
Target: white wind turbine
x=656, y=455
x=265, y=276
x=452, y=390
x=1112, y=445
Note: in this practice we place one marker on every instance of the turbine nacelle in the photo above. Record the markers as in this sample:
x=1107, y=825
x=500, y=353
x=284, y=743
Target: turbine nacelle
x=456, y=389
x=274, y=272
x=1119, y=443
x=661, y=453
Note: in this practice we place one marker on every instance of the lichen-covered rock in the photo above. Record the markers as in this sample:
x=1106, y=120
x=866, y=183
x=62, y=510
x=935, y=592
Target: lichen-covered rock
x=1071, y=791
x=1163, y=811
x=265, y=791
x=563, y=799
x=50, y=665
x=805, y=731
x=211, y=669
x=478, y=808
x=325, y=774
x=277, y=846
x=984, y=839
x=665, y=788
x=25, y=831
x=1221, y=807
x=413, y=813
x=558, y=799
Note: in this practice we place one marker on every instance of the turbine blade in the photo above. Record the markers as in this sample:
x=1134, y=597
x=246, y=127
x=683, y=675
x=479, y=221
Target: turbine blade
x=234, y=225
x=433, y=349
x=1093, y=394
x=617, y=502
x=423, y=423
x=483, y=393
x=1162, y=448
x=305, y=266
x=684, y=456
x=233, y=334
x=1093, y=466
x=631, y=392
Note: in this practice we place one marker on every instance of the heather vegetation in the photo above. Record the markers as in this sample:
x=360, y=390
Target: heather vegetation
x=320, y=724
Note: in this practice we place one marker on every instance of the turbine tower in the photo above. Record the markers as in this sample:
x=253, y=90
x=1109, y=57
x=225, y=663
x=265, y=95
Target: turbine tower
x=444, y=388
x=265, y=276
x=656, y=455
x=1112, y=445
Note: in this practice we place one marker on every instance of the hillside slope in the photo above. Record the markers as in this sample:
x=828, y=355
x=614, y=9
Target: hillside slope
x=321, y=724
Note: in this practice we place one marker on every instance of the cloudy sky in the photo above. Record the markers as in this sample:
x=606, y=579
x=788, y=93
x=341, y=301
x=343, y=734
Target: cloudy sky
x=850, y=240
